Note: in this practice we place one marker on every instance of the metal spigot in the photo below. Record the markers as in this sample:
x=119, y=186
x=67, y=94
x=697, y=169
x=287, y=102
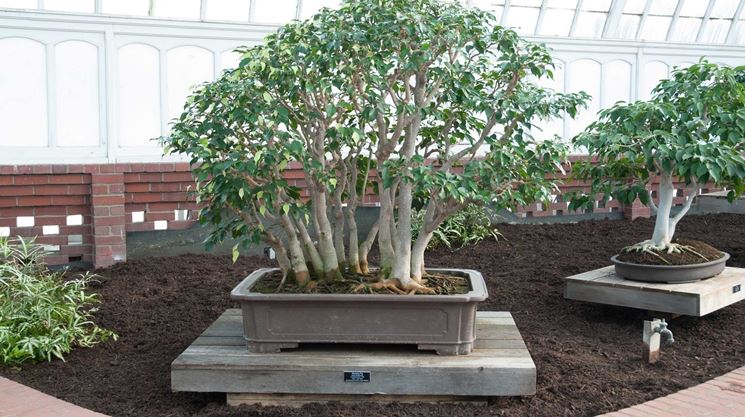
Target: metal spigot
x=664, y=332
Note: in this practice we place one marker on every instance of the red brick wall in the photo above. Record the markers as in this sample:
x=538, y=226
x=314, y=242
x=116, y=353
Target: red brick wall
x=110, y=196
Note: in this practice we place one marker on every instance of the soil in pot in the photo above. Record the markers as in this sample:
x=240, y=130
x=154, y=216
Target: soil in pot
x=708, y=253
x=352, y=283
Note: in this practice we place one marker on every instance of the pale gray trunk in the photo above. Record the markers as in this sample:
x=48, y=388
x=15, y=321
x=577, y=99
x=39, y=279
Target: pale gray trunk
x=310, y=247
x=385, y=238
x=353, y=260
x=663, y=233
x=325, y=234
x=295, y=251
x=366, y=245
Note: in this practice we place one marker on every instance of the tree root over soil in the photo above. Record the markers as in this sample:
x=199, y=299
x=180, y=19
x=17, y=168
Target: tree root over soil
x=671, y=253
x=352, y=283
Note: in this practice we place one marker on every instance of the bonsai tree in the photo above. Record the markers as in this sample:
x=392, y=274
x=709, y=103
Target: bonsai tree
x=692, y=130
x=401, y=98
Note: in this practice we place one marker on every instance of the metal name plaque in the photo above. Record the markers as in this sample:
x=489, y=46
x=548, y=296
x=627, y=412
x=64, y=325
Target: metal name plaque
x=736, y=289
x=356, y=376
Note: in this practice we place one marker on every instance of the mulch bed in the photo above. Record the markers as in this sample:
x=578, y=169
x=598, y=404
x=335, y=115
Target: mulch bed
x=588, y=356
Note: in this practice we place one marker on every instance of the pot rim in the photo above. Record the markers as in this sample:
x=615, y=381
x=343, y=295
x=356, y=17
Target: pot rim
x=724, y=258
x=478, y=291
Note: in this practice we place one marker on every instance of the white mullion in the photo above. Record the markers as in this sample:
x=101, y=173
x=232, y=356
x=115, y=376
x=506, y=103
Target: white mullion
x=298, y=9
x=97, y=5
x=705, y=21
x=735, y=18
x=151, y=7
x=643, y=19
x=565, y=118
x=251, y=10
x=51, y=96
x=111, y=135
x=505, y=12
x=164, y=111
x=202, y=10
x=575, y=19
x=216, y=64
x=638, y=75
x=674, y=21
x=40, y=4
x=614, y=16
x=541, y=13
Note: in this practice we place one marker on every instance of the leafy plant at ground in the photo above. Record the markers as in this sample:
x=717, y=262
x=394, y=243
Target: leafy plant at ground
x=420, y=97
x=42, y=314
x=466, y=227
x=691, y=130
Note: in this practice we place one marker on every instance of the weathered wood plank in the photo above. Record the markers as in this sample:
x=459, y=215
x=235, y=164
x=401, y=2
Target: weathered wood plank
x=218, y=361
x=298, y=400
x=693, y=299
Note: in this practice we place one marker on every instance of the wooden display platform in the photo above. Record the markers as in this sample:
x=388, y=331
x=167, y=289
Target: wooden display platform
x=691, y=299
x=218, y=361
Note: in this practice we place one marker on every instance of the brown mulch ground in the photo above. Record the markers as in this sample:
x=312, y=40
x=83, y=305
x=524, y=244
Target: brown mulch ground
x=588, y=356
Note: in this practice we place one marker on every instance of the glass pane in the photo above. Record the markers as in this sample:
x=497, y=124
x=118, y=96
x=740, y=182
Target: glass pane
x=616, y=82
x=655, y=28
x=596, y=5
x=627, y=26
x=187, y=67
x=557, y=22
x=527, y=3
x=716, y=31
x=125, y=7
x=654, y=71
x=724, y=9
x=666, y=7
x=19, y=4
x=562, y=4
x=275, y=11
x=740, y=32
x=139, y=95
x=177, y=9
x=23, y=95
x=590, y=25
x=76, y=72
x=230, y=10
x=584, y=75
x=490, y=5
x=310, y=7
x=81, y=6
x=523, y=19
x=686, y=29
x=635, y=6
x=694, y=8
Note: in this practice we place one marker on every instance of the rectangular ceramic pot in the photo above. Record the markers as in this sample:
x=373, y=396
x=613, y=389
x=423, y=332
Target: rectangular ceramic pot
x=443, y=323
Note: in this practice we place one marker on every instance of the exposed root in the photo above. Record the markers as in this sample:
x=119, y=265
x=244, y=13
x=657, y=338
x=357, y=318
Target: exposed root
x=395, y=286
x=670, y=248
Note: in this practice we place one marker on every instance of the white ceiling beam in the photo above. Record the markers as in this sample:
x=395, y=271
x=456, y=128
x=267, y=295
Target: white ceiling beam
x=541, y=13
x=738, y=13
x=674, y=21
x=505, y=12
x=575, y=19
x=643, y=19
x=705, y=22
x=614, y=17
x=298, y=9
x=202, y=10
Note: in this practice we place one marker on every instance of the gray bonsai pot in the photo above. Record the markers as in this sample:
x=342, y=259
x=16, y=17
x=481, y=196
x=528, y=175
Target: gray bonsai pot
x=671, y=274
x=444, y=323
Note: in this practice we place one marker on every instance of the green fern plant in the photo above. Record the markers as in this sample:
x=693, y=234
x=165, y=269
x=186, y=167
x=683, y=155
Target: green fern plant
x=42, y=314
x=467, y=227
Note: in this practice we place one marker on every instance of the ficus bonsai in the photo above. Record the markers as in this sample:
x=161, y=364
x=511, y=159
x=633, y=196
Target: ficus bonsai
x=401, y=98
x=692, y=130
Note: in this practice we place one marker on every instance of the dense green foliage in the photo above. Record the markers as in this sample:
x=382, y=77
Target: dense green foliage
x=691, y=130
x=693, y=127
x=466, y=227
x=434, y=96
x=42, y=314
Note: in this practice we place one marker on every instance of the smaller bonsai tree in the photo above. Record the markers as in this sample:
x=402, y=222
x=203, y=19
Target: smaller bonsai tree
x=692, y=131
